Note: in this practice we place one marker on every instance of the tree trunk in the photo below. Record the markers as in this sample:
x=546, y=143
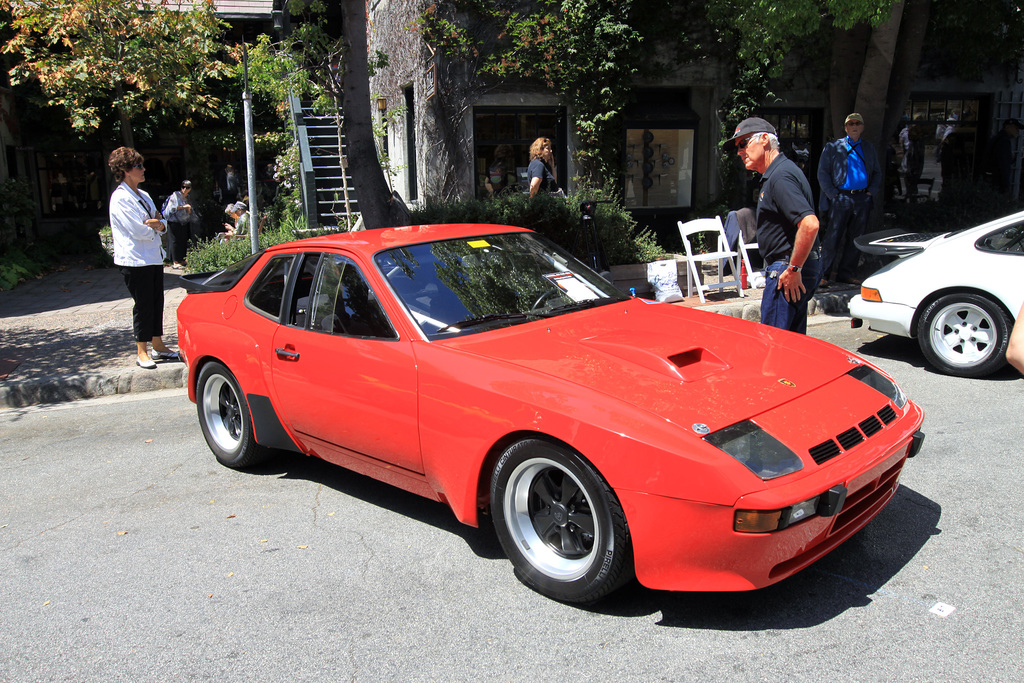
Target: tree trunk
x=916, y=14
x=127, y=137
x=376, y=203
x=875, y=78
x=848, y=50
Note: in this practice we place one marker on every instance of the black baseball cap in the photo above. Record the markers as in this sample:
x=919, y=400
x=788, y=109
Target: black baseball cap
x=749, y=127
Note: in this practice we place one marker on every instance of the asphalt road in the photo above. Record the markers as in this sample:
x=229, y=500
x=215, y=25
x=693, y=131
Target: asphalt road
x=128, y=554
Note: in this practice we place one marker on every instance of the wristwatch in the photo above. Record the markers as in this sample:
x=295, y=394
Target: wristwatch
x=795, y=269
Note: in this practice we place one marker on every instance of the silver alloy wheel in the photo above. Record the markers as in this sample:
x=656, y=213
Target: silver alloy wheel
x=963, y=334
x=548, y=513
x=222, y=413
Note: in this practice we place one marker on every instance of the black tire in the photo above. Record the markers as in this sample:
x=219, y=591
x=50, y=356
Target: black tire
x=225, y=419
x=559, y=523
x=964, y=335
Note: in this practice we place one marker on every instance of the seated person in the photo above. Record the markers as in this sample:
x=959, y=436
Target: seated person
x=239, y=213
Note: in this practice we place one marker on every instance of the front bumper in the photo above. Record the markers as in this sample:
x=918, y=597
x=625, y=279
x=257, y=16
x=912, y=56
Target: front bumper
x=687, y=545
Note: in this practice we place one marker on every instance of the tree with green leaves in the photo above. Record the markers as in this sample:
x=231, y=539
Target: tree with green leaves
x=133, y=56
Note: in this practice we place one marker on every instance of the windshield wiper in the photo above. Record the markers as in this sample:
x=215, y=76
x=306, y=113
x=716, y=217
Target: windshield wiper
x=491, y=317
x=581, y=305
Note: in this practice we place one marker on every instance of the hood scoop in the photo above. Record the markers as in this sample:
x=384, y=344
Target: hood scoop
x=689, y=365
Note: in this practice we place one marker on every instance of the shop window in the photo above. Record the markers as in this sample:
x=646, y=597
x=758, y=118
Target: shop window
x=502, y=137
x=659, y=167
x=72, y=183
x=937, y=143
x=796, y=138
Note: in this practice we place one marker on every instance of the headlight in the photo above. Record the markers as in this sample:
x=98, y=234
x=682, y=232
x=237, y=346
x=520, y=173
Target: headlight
x=880, y=383
x=759, y=451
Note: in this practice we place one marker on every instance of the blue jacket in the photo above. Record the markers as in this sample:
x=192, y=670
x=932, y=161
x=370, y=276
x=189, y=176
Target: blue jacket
x=832, y=170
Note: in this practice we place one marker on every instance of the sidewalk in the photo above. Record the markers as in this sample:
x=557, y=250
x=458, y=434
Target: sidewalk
x=68, y=335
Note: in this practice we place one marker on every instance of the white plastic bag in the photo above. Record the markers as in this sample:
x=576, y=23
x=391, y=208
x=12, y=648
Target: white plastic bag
x=664, y=278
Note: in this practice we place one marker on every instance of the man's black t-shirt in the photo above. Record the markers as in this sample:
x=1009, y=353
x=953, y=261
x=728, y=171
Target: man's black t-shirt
x=785, y=199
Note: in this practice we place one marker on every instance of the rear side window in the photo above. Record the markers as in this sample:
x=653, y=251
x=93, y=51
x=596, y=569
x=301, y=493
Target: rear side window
x=267, y=293
x=1009, y=240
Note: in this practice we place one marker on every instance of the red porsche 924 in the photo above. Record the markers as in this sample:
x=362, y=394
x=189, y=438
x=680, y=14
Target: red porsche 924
x=605, y=436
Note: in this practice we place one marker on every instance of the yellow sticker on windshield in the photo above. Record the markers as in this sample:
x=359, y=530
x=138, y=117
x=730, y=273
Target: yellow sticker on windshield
x=479, y=244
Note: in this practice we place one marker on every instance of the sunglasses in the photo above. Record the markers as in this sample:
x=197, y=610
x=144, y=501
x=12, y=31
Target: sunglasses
x=743, y=145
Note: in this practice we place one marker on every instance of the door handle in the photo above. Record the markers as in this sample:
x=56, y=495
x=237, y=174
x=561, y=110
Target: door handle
x=294, y=355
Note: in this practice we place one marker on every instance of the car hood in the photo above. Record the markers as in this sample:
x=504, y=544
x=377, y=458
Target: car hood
x=685, y=365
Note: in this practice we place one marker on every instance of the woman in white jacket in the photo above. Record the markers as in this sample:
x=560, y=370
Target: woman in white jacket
x=137, y=227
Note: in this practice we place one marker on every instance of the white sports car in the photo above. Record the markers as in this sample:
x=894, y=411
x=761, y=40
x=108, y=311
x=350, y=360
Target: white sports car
x=957, y=293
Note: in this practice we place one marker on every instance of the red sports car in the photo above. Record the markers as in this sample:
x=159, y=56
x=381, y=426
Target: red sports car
x=606, y=436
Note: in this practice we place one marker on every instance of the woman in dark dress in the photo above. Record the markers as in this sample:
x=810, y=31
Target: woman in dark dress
x=542, y=165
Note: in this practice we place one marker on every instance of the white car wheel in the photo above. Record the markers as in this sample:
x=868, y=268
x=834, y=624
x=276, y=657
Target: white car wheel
x=964, y=335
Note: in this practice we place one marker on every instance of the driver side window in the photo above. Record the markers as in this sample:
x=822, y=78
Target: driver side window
x=343, y=302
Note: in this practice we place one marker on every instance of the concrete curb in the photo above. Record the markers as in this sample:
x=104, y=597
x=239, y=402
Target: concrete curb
x=61, y=388
x=822, y=303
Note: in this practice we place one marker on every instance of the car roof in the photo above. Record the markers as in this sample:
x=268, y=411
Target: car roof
x=372, y=241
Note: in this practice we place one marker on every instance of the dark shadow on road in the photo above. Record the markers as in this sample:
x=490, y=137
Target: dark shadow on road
x=481, y=541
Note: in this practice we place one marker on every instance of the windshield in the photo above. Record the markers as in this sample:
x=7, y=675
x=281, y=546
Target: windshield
x=473, y=284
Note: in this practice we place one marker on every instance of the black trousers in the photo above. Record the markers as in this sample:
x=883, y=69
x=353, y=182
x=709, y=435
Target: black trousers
x=177, y=241
x=146, y=285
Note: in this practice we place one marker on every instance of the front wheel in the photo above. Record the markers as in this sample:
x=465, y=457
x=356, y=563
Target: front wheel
x=559, y=522
x=225, y=420
x=964, y=335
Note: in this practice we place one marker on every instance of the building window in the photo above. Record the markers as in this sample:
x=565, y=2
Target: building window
x=502, y=137
x=71, y=183
x=937, y=142
x=659, y=167
x=797, y=132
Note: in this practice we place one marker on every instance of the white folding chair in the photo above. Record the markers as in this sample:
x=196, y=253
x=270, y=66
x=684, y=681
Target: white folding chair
x=722, y=254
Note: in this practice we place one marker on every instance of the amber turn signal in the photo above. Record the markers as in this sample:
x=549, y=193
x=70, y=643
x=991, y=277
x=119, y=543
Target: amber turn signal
x=756, y=521
x=869, y=294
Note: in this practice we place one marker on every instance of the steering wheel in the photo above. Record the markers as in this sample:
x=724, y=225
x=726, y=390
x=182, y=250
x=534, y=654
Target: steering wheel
x=545, y=295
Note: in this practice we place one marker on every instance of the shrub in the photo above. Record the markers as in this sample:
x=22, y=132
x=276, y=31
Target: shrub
x=212, y=254
x=557, y=218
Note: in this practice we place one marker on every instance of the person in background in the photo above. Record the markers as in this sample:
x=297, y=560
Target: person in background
x=178, y=212
x=137, y=229
x=541, y=170
x=239, y=213
x=787, y=228
x=850, y=178
x=1001, y=155
x=498, y=172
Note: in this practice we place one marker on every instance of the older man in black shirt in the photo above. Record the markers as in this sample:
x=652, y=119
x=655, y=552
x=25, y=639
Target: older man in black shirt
x=787, y=228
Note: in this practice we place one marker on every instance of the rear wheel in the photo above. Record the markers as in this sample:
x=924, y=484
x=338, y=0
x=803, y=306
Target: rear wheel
x=964, y=335
x=225, y=419
x=559, y=523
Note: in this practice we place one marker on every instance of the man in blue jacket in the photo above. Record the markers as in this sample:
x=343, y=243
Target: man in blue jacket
x=850, y=178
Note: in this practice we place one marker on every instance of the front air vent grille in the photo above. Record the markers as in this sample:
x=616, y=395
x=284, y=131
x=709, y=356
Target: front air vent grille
x=825, y=451
x=850, y=438
x=887, y=414
x=870, y=426
x=865, y=429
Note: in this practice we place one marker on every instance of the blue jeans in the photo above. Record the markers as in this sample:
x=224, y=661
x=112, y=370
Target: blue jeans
x=847, y=220
x=778, y=312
